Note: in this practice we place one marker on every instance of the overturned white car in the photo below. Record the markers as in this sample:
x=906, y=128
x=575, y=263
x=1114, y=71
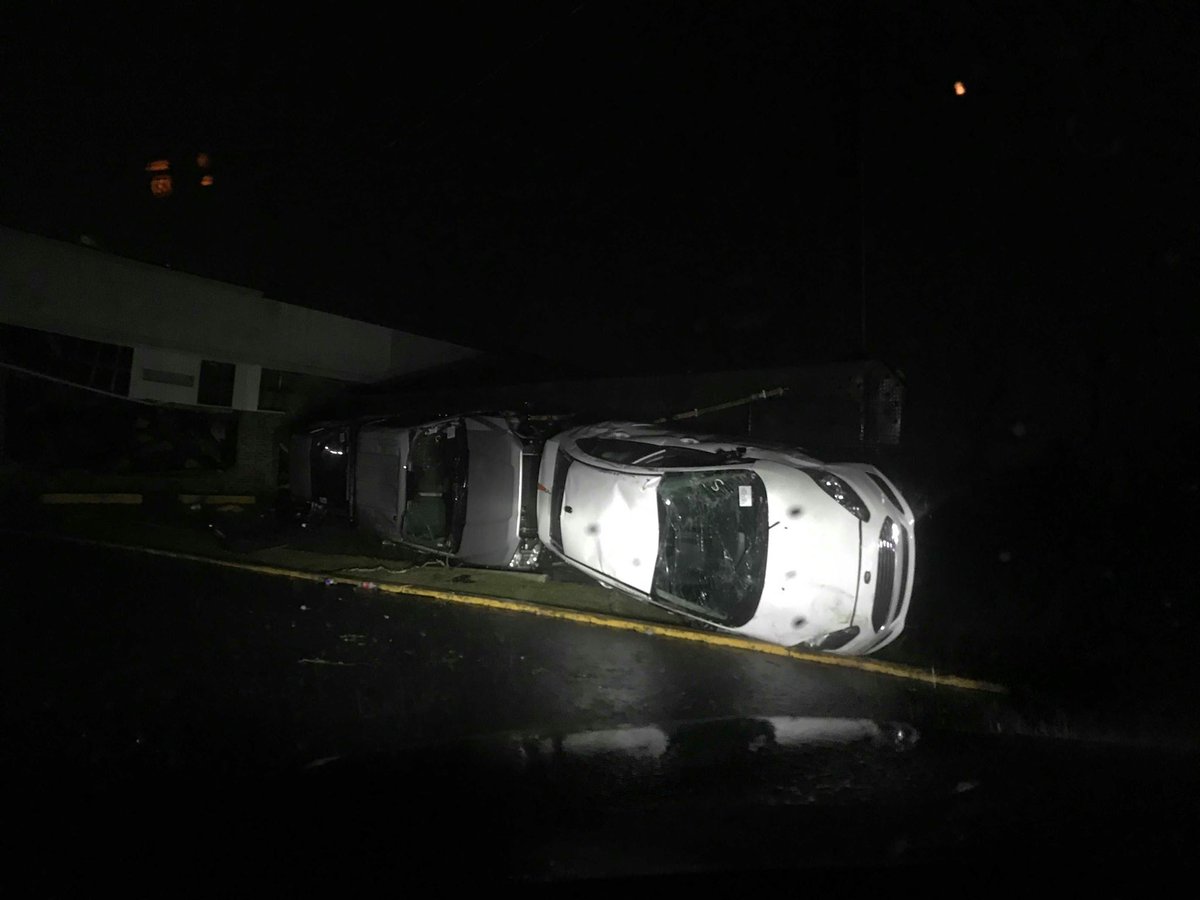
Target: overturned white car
x=762, y=541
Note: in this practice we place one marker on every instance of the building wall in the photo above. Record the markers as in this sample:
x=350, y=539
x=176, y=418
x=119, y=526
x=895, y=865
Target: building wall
x=245, y=386
x=151, y=369
x=173, y=377
x=74, y=290
x=163, y=328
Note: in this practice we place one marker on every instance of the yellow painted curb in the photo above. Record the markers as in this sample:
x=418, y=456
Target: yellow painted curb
x=215, y=499
x=122, y=499
x=895, y=670
x=862, y=664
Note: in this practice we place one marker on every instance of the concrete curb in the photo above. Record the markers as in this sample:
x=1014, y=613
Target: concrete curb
x=64, y=499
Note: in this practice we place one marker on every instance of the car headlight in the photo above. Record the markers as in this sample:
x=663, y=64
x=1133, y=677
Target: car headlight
x=841, y=492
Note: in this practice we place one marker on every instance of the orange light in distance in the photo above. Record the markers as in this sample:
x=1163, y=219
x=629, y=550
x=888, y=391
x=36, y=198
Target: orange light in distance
x=202, y=160
x=206, y=181
x=959, y=88
x=158, y=165
x=160, y=186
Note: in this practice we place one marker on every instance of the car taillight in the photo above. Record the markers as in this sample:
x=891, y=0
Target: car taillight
x=527, y=555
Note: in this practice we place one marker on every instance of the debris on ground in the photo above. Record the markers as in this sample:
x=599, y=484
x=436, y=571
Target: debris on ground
x=379, y=568
x=325, y=662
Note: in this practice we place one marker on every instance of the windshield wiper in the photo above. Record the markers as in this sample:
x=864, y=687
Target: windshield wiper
x=649, y=456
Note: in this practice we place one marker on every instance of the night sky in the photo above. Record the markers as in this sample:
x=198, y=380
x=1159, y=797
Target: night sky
x=631, y=185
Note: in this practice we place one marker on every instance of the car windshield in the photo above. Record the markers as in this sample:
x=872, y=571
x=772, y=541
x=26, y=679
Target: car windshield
x=712, y=550
x=436, y=486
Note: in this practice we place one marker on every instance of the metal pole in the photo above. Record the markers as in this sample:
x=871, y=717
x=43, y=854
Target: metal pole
x=696, y=413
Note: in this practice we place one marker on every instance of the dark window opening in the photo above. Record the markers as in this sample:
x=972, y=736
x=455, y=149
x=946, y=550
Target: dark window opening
x=93, y=364
x=216, y=383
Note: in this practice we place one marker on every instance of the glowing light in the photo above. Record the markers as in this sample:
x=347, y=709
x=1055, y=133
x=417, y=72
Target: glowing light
x=161, y=186
x=959, y=88
x=206, y=181
x=202, y=160
x=158, y=165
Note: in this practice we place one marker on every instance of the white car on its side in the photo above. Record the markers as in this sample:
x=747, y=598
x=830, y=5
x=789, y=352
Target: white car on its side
x=763, y=541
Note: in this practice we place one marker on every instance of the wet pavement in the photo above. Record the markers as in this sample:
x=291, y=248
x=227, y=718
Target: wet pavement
x=195, y=711
x=1080, y=619
x=132, y=661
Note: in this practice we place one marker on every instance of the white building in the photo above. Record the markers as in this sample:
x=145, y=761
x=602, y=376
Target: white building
x=78, y=315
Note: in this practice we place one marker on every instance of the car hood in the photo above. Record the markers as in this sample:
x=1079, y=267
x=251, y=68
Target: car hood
x=812, y=560
x=612, y=526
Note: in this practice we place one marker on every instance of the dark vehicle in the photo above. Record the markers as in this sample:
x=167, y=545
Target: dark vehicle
x=318, y=461
x=464, y=486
